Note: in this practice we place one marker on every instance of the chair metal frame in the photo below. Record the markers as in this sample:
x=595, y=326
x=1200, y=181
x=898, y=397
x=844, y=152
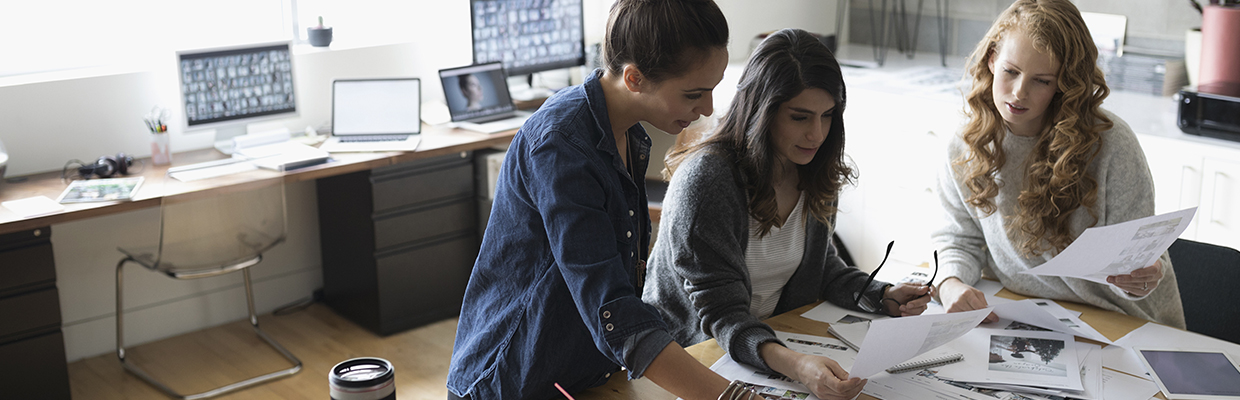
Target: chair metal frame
x=242, y=265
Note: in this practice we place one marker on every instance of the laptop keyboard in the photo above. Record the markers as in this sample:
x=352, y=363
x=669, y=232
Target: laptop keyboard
x=373, y=138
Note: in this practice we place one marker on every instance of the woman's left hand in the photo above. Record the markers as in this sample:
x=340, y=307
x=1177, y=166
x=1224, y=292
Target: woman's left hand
x=906, y=299
x=1139, y=282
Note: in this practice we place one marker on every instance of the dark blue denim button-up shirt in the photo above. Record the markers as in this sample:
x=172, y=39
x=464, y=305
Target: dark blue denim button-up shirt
x=553, y=298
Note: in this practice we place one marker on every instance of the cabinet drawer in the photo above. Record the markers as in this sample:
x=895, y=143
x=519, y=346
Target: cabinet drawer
x=459, y=215
x=25, y=267
x=41, y=372
x=27, y=313
x=422, y=185
x=426, y=283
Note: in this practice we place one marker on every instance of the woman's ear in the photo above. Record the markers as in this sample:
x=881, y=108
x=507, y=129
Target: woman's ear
x=632, y=78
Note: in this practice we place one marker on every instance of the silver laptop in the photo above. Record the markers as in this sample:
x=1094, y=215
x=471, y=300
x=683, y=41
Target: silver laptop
x=375, y=115
x=478, y=99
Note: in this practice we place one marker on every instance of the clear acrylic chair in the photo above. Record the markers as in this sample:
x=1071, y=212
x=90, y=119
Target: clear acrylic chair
x=203, y=235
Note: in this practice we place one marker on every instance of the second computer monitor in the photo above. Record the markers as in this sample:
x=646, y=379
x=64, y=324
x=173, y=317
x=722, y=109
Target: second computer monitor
x=476, y=91
x=528, y=36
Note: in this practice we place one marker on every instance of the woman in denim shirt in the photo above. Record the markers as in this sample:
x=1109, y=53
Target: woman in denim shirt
x=553, y=297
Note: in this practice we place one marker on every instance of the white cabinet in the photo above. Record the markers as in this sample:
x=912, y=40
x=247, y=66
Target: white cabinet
x=1202, y=173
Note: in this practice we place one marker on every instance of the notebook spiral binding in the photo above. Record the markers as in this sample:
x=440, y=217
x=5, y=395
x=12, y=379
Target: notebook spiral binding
x=928, y=363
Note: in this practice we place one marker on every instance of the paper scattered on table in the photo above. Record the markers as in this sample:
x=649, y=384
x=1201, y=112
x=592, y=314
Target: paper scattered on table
x=831, y=313
x=1006, y=355
x=776, y=385
x=895, y=340
x=1118, y=385
x=1117, y=249
x=1040, y=312
x=819, y=346
x=33, y=206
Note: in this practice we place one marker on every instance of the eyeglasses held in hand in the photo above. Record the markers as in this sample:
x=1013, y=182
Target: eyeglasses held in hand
x=868, y=305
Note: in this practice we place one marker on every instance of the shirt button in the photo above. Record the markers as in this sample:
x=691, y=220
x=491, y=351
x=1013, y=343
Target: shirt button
x=609, y=327
x=628, y=234
x=607, y=375
x=630, y=213
x=643, y=156
x=630, y=254
x=606, y=314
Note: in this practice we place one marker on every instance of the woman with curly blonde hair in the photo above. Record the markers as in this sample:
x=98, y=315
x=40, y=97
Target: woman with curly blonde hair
x=1037, y=163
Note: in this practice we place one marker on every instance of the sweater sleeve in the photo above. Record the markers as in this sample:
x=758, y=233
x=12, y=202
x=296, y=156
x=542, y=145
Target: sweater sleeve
x=1128, y=184
x=705, y=221
x=960, y=239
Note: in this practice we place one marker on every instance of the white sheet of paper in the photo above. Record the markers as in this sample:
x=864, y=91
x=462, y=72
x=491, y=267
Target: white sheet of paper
x=831, y=313
x=1121, y=386
x=1117, y=249
x=32, y=206
x=1031, y=312
x=819, y=346
x=731, y=370
x=895, y=340
x=1031, y=368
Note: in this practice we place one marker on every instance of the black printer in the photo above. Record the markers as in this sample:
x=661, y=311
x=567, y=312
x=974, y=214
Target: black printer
x=1211, y=110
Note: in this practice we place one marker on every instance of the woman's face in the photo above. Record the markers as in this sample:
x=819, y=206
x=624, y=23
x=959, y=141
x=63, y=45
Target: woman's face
x=801, y=125
x=473, y=88
x=1025, y=83
x=672, y=104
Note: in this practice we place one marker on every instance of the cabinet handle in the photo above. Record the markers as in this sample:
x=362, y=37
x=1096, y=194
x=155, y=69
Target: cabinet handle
x=1214, y=199
x=1187, y=172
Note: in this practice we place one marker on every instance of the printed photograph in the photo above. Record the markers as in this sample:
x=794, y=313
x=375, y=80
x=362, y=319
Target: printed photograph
x=1026, y=355
x=817, y=344
x=849, y=318
x=1021, y=326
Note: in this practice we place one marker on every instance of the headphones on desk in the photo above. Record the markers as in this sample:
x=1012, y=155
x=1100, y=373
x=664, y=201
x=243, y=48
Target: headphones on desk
x=104, y=167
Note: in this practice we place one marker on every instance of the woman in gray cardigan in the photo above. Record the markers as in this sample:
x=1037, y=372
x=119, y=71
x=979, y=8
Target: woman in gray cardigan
x=747, y=220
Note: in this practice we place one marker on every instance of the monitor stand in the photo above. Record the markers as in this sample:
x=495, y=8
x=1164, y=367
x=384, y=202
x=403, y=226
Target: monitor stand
x=224, y=137
x=522, y=89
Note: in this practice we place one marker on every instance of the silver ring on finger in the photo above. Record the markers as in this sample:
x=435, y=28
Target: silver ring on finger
x=1145, y=286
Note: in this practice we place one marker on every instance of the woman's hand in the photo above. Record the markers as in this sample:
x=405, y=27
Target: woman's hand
x=958, y=296
x=1139, y=282
x=826, y=379
x=823, y=376
x=906, y=299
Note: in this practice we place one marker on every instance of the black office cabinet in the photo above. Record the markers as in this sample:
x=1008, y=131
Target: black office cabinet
x=399, y=241
x=30, y=338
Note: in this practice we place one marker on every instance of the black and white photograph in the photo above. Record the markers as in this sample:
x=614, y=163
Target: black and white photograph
x=1026, y=355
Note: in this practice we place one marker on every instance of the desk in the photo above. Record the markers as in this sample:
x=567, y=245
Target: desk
x=436, y=141
x=28, y=283
x=1111, y=324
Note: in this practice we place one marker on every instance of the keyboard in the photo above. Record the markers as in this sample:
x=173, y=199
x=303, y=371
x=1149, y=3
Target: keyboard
x=373, y=138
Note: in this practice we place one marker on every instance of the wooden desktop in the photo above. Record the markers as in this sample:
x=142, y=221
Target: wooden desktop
x=1111, y=324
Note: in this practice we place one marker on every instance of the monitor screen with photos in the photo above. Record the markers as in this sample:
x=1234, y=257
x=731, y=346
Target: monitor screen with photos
x=528, y=35
x=476, y=92
x=236, y=83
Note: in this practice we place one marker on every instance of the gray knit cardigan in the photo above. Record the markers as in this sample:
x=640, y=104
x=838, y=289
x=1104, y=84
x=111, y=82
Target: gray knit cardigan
x=697, y=275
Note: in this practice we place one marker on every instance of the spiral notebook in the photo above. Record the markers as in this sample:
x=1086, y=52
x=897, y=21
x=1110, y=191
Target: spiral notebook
x=931, y=362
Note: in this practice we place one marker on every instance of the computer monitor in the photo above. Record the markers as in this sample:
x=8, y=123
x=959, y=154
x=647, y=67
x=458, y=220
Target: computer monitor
x=228, y=88
x=528, y=36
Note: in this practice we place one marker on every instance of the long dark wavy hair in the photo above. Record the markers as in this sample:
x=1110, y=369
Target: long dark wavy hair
x=785, y=64
x=1057, y=180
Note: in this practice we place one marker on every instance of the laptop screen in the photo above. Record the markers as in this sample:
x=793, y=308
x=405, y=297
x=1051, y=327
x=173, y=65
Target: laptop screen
x=476, y=91
x=376, y=106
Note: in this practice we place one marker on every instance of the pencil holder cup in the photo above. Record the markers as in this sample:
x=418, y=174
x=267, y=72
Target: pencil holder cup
x=319, y=37
x=161, y=153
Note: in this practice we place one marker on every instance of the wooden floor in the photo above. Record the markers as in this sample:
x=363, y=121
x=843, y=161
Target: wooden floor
x=205, y=359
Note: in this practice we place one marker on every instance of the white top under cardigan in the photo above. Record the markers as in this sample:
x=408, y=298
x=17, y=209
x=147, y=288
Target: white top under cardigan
x=772, y=259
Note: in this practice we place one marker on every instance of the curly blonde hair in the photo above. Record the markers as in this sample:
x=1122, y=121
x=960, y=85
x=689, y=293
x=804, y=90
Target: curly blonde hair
x=1056, y=181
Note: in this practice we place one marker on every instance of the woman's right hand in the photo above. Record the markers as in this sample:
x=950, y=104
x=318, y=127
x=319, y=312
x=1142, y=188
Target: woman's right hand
x=826, y=379
x=958, y=296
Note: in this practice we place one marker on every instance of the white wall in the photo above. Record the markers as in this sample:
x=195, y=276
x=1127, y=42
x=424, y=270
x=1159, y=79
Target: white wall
x=748, y=18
